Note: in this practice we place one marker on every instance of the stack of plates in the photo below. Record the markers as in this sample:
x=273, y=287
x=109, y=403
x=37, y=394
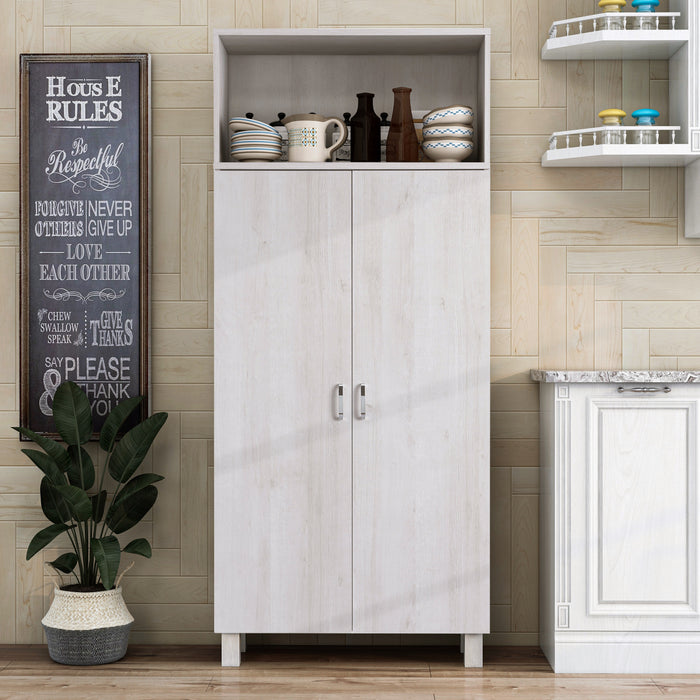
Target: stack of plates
x=254, y=140
x=447, y=133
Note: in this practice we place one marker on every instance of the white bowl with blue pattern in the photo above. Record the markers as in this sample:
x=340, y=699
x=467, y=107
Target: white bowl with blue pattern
x=448, y=150
x=448, y=131
x=454, y=114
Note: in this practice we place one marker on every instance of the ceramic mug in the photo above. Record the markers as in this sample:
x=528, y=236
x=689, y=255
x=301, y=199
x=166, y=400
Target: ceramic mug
x=307, y=137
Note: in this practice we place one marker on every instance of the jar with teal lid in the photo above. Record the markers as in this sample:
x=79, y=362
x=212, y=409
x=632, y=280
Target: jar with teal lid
x=612, y=9
x=645, y=9
x=645, y=117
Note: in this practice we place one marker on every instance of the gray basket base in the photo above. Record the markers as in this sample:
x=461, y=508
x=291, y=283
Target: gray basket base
x=87, y=647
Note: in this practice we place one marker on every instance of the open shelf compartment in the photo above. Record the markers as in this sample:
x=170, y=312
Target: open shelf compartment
x=299, y=71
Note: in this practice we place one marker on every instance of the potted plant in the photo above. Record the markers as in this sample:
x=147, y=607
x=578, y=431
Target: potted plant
x=88, y=622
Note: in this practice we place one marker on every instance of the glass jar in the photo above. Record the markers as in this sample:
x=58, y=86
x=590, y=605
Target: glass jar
x=645, y=9
x=612, y=119
x=611, y=9
x=645, y=117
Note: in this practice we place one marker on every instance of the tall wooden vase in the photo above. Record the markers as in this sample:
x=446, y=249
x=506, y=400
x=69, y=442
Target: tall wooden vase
x=402, y=141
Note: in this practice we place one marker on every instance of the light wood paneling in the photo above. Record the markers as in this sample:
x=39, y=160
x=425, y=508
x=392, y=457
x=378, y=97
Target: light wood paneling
x=500, y=260
x=166, y=204
x=497, y=16
x=623, y=259
x=470, y=12
x=304, y=13
x=525, y=41
x=29, y=597
x=577, y=232
x=276, y=13
x=126, y=12
x=635, y=348
x=500, y=536
x=581, y=204
x=525, y=607
x=7, y=583
x=193, y=12
x=524, y=287
x=135, y=39
x=8, y=309
x=580, y=325
x=608, y=335
x=363, y=12
x=193, y=236
x=648, y=287
x=621, y=232
x=552, y=307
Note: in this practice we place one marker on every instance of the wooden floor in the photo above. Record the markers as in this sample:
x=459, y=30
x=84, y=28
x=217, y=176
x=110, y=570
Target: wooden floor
x=320, y=672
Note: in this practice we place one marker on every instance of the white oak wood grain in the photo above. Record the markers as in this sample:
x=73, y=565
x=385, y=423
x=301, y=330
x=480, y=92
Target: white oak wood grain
x=388, y=12
x=635, y=348
x=580, y=323
x=500, y=260
x=276, y=13
x=524, y=287
x=283, y=462
x=8, y=298
x=420, y=346
x=127, y=12
x=7, y=583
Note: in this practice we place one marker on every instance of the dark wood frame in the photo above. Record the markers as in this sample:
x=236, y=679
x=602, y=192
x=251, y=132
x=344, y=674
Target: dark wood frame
x=144, y=215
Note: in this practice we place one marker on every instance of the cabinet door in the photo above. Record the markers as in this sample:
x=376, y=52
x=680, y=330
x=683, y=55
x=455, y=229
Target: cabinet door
x=420, y=346
x=283, y=473
x=634, y=510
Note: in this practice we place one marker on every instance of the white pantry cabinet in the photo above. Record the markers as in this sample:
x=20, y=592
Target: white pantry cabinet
x=366, y=512
x=619, y=525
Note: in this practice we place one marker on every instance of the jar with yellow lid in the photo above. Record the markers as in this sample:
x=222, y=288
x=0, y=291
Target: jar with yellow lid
x=612, y=121
x=612, y=8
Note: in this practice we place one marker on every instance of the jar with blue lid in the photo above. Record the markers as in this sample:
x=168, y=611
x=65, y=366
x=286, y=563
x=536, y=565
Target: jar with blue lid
x=645, y=9
x=645, y=117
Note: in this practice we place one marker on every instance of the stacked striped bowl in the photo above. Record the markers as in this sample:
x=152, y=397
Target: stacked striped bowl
x=254, y=140
x=448, y=134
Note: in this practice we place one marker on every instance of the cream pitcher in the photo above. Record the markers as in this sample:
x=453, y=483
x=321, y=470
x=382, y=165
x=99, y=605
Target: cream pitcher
x=307, y=137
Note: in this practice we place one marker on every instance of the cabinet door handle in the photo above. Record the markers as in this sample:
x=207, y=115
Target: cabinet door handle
x=644, y=389
x=363, y=406
x=339, y=412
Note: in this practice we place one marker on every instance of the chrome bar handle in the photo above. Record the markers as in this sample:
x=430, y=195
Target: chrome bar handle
x=339, y=412
x=363, y=406
x=644, y=389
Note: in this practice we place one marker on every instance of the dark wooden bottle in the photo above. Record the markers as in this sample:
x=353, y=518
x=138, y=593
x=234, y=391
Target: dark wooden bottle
x=402, y=141
x=365, y=137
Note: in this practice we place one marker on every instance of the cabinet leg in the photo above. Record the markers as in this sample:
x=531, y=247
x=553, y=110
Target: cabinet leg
x=230, y=649
x=473, y=648
x=244, y=642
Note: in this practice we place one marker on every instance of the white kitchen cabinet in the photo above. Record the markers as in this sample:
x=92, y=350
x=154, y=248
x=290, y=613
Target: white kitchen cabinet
x=619, y=524
x=373, y=520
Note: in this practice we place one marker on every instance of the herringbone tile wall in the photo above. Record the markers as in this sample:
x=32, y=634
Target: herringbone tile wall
x=590, y=270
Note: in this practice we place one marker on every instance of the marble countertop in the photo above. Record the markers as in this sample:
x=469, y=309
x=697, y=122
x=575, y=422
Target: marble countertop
x=614, y=376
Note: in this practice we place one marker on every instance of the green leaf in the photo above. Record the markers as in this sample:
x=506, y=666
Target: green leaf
x=47, y=465
x=85, y=477
x=51, y=447
x=133, y=447
x=72, y=414
x=65, y=563
x=129, y=511
x=136, y=484
x=117, y=417
x=44, y=537
x=98, y=505
x=52, y=502
x=139, y=546
x=78, y=501
x=107, y=555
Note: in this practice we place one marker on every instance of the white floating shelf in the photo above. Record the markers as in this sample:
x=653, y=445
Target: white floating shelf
x=622, y=155
x=347, y=165
x=613, y=44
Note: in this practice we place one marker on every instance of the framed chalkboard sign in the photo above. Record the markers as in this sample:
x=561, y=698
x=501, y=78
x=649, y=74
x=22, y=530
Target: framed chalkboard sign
x=84, y=139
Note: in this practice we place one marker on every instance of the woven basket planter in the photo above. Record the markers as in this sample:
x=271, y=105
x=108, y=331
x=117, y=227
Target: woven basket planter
x=86, y=629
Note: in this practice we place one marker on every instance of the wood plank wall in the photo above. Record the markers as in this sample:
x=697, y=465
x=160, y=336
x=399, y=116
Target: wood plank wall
x=590, y=269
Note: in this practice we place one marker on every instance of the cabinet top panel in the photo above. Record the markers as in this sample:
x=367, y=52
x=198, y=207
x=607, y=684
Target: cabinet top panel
x=614, y=376
x=405, y=41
